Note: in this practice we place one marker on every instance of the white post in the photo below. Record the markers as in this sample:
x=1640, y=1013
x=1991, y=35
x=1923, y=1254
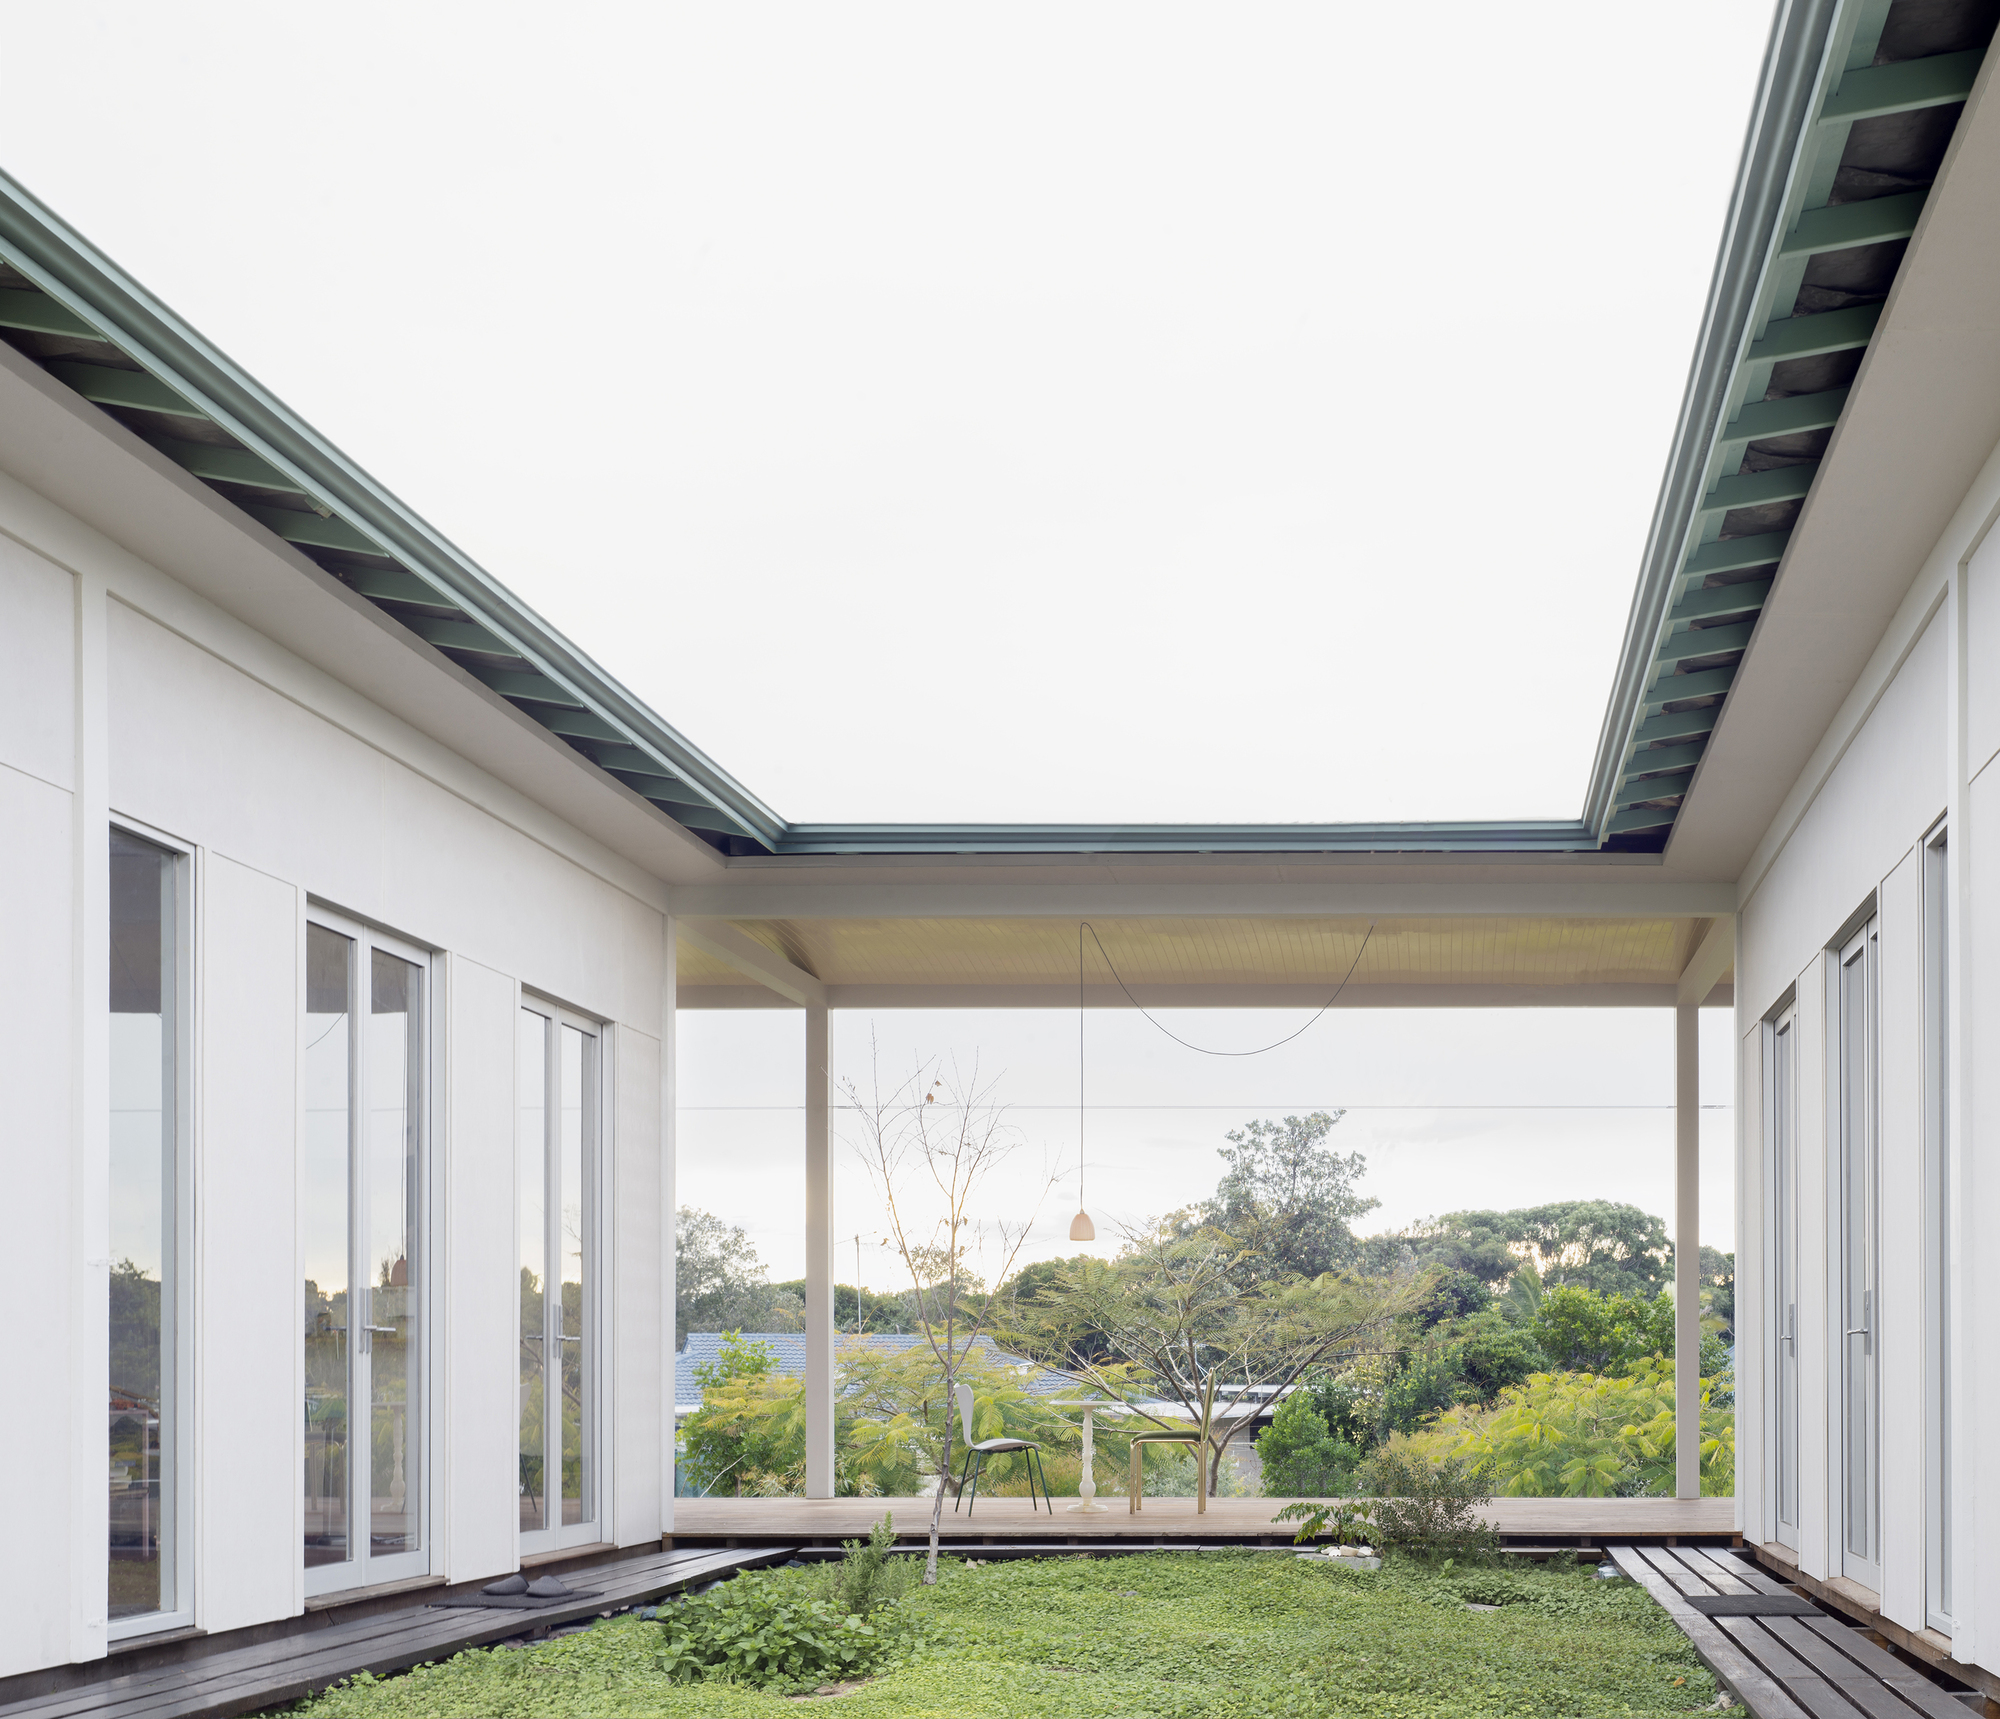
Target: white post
x=819, y=1258
x=669, y=1259
x=1687, y=1250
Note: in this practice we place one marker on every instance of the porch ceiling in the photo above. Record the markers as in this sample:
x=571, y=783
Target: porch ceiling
x=1221, y=962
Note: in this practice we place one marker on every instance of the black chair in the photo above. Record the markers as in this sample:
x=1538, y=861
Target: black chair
x=978, y=1450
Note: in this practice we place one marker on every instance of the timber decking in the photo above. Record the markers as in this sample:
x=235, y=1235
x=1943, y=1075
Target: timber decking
x=1798, y=1667
x=1587, y=1521
x=231, y=1680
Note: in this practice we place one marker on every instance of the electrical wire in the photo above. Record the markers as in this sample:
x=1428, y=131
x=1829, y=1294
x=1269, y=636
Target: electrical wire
x=1084, y=925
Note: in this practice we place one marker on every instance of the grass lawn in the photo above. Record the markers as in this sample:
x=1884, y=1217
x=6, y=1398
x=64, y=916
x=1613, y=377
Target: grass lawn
x=1160, y=1636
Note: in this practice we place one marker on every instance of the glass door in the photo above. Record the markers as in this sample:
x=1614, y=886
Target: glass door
x=1784, y=1277
x=360, y=1227
x=558, y=1073
x=1858, y=1412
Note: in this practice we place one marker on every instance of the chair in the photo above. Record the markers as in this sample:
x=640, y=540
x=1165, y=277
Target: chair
x=1199, y=1439
x=978, y=1450
x=1135, y=1499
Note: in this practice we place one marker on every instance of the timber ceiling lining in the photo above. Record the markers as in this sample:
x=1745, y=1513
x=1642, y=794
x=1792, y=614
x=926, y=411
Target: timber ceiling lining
x=1220, y=952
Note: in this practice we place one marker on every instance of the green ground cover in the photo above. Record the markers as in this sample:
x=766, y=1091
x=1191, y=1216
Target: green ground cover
x=1160, y=1636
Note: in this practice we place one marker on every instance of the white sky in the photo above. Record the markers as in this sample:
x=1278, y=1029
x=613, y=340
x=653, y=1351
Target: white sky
x=1044, y=411
x=1454, y=1109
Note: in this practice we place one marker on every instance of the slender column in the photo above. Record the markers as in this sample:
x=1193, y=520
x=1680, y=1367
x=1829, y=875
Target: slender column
x=669, y=1257
x=1687, y=1250
x=819, y=1258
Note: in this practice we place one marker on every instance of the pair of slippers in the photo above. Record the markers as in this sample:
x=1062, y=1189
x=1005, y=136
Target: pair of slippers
x=541, y=1588
x=517, y=1593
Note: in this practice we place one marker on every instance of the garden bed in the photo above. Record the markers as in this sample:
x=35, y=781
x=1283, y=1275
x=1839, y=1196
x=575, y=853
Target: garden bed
x=1166, y=1634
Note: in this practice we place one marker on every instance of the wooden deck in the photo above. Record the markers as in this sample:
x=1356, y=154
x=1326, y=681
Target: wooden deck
x=220, y=1679
x=1554, y=1521
x=1780, y=1655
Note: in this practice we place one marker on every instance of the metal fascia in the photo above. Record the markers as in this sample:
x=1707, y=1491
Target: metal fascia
x=1550, y=836
x=63, y=264
x=1794, y=67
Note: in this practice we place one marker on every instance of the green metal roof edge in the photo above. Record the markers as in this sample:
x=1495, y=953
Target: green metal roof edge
x=36, y=241
x=1565, y=835
x=1794, y=68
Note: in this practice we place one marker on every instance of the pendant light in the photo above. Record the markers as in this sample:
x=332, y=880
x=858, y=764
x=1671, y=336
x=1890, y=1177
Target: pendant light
x=1081, y=1229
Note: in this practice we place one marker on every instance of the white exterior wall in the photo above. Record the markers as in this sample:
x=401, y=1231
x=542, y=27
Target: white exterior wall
x=124, y=694
x=1852, y=833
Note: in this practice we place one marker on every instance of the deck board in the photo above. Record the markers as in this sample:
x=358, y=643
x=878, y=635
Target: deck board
x=1780, y=1665
x=234, y=1680
x=1575, y=1520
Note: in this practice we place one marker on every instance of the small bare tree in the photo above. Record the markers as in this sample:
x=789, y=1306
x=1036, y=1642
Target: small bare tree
x=938, y=1128
x=1210, y=1338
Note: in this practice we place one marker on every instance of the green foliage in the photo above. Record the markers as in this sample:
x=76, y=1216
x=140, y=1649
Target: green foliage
x=1451, y=1293
x=719, y=1281
x=1300, y=1457
x=868, y=1578
x=1574, y=1435
x=1495, y=1352
x=1430, y=1509
x=769, y=1635
x=1286, y=1197
x=1583, y=1332
x=1173, y=1636
x=1601, y=1245
x=1345, y=1521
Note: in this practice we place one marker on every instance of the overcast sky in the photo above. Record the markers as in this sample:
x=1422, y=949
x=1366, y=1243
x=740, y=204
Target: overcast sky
x=1452, y=1109
x=1073, y=412
x=1042, y=411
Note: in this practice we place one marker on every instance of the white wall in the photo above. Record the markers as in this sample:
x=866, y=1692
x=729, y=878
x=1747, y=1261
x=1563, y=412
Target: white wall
x=1895, y=763
x=1858, y=842
x=289, y=787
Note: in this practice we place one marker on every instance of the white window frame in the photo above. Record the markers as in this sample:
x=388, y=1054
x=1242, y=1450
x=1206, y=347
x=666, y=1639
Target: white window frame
x=1781, y=1318
x=1939, y=1148
x=359, y=1574
x=186, y=880
x=597, y=1147
x=1860, y=941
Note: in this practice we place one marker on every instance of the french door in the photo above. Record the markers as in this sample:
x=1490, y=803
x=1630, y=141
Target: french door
x=1858, y=1410
x=1781, y=1109
x=361, y=1230
x=558, y=1071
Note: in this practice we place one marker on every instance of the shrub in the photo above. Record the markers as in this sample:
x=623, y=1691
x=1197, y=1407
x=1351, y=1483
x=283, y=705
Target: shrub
x=869, y=1578
x=1575, y=1435
x=1346, y=1521
x=751, y=1630
x=1430, y=1509
x=1301, y=1458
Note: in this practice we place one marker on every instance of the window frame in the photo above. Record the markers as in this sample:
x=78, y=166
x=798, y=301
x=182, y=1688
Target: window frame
x=1781, y=1115
x=597, y=1146
x=1939, y=1148
x=179, y=1438
x=371, y=1571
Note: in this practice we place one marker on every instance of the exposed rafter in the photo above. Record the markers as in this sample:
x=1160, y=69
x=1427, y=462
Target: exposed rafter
x=1808, y=258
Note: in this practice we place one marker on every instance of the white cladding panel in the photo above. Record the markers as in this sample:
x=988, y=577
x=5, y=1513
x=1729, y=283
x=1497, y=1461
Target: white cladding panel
x=1899, y=1312
x=288, y=788
x=42, y=1238
x=37, y=665
x=1976, y=1604
x=249, y=1299
x=200, y=748
x=478, y=1375
x=1890, y=787
x=635, y=1323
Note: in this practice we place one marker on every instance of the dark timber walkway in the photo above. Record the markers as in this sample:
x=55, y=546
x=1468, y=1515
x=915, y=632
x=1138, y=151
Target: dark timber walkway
x=229, y=1680
x=1776, y=1652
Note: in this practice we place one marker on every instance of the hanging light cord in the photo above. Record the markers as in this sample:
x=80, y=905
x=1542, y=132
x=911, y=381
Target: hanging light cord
x=1084, y=925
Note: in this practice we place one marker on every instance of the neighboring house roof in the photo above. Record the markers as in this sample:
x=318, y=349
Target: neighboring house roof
x=789, y=1350
x=1857, y=105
